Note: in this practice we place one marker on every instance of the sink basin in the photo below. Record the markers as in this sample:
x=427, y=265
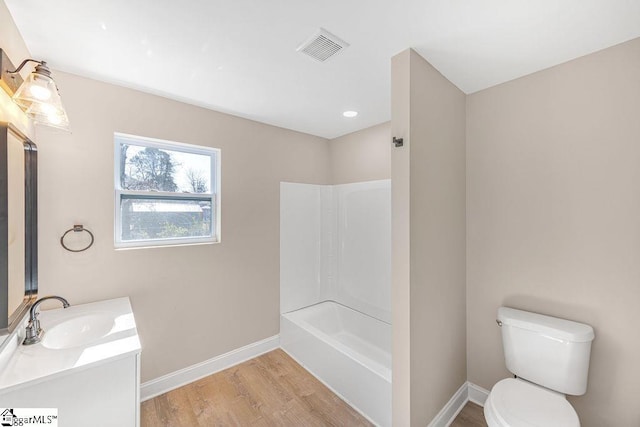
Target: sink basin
x=77, y=331
x=79, y=336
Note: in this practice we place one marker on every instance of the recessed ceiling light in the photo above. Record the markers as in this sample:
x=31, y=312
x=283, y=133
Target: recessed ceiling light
x=350, y=114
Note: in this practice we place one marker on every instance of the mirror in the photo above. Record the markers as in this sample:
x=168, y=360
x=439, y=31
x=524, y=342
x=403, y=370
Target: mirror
x=18, y=226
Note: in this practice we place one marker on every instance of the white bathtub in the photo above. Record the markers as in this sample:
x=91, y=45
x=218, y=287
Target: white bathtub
x=347, y=350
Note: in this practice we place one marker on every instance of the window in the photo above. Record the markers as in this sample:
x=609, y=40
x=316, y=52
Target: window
x=166, y=193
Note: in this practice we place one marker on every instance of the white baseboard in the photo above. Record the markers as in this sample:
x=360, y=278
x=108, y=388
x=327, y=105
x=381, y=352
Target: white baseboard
x=449, y=412
x=467, y=392
x=477, y=394
x=195, y=372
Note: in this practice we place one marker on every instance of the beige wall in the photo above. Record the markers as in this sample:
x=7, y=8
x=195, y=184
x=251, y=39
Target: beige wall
x=194, y=302
x=553, y=218
x=361, y=156
x=401, y=240
x=438, y=324
x=431, y=170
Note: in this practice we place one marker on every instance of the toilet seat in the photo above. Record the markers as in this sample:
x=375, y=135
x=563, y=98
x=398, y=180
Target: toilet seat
x=517, y=403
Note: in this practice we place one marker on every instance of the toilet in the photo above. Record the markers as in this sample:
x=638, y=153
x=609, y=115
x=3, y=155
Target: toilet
x=550, y=359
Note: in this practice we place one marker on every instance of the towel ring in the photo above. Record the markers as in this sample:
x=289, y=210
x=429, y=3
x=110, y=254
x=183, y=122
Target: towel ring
x=77, y=228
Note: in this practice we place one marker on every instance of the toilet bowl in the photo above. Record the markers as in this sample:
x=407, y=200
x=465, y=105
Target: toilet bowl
x=518, y=403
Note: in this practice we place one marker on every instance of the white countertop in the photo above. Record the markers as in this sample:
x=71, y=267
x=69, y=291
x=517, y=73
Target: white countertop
x=27, y=364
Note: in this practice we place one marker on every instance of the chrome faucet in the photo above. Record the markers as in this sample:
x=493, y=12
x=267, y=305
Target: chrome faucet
x=34, y=331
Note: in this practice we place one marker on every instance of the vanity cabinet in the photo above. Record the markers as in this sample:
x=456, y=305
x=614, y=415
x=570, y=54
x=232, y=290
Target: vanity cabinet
x=102, y=395
x=87, y=366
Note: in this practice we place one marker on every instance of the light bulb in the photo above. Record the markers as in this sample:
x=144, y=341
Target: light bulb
x=54, y=119
x=40, y=93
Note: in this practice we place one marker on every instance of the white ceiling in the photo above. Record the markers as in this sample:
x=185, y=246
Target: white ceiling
x=238, y=56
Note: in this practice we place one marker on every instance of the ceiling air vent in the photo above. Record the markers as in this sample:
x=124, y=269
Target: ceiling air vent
x=322, y=45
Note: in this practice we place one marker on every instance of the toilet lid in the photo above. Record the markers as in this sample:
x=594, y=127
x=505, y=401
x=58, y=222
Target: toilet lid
x=517, y=403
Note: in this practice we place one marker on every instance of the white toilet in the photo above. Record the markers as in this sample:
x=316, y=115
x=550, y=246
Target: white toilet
x=550, y=358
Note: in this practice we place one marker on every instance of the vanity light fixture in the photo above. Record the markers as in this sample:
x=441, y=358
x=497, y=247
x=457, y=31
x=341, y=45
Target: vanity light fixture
x=38, y=95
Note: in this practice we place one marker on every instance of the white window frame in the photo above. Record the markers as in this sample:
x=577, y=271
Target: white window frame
x=213, y=195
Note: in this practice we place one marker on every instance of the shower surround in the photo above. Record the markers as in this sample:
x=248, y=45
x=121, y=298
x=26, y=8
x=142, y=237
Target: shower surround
x=335, y=288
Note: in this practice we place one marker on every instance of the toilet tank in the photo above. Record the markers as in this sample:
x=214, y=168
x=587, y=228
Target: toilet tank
x=545, y=350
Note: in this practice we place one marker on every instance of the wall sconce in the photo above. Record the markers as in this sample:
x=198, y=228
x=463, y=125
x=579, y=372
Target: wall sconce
x=38, y=95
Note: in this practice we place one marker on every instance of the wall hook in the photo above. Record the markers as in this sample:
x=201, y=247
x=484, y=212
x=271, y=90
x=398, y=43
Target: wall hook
x=398, y=142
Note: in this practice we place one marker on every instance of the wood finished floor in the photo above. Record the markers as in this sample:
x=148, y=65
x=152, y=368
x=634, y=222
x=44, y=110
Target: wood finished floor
x=270, y=390
x=472, y=415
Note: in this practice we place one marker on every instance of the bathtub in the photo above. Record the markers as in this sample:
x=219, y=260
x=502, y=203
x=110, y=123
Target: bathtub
x=347, y=350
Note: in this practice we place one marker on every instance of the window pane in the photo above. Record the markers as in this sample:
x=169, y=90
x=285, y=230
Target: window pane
x=144, y=219
x=159, y=169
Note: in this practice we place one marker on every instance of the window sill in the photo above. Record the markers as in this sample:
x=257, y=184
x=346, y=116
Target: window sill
x=163, y=245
